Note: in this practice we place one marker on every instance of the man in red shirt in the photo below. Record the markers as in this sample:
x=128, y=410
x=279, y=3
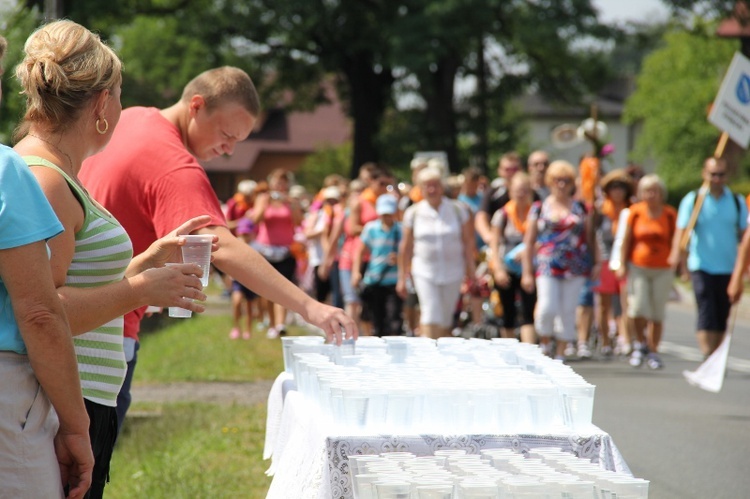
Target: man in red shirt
x=149, y=178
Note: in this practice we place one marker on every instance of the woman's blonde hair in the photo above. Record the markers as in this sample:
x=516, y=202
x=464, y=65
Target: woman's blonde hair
x=650, y=181
x=429, y=173
x=521, y=178
x=65, y=66
x=557, y=169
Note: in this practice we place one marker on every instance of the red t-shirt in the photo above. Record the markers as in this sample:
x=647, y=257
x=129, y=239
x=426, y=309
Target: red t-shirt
x=148, y=180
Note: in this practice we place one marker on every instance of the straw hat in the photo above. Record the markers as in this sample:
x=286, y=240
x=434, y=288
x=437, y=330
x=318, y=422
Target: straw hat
x=619, y=177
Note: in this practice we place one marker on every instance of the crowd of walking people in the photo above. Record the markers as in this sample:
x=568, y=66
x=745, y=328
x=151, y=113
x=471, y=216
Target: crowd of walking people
x=94, y=201
x=530, y=254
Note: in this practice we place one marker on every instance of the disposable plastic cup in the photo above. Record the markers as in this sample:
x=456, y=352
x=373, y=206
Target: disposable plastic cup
x=434, y=491
x=508, y=410
x=399, y=410
x=179, y=312
x=542, y=406
x=578, y=401
x=355, y=463
x=362, y=485
x=478, y=490
x=388, y=489
x=355, y=402
x=197, y=249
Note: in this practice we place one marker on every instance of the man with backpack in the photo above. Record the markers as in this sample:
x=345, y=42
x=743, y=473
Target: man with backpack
x=712, y=250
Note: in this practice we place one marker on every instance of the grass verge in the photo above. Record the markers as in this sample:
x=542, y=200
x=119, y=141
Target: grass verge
x=198, y=349
x=192, y=451
x=196, y=450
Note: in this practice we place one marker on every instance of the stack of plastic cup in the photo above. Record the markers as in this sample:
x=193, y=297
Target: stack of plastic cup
x=453, y=475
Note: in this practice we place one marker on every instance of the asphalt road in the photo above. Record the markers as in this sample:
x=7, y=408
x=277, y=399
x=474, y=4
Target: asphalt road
x=688, y=442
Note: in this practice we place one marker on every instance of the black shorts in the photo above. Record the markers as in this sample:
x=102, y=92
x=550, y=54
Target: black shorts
x=712, y=300
x=286, y=267
x=248, y=294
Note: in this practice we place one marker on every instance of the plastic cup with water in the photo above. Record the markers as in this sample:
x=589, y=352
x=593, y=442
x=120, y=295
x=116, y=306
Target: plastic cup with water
x=179, y=312
x=197, y=250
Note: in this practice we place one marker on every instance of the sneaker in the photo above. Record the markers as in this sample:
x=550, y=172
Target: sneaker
x=654, y=362
x=570, y=350
x=583, y=351
x=272, y=334
x=623, y=347
x=636, y=358
x=607, y=352
x=234, y=333
x=260, y=326
x=546, y=349
x=246, y=335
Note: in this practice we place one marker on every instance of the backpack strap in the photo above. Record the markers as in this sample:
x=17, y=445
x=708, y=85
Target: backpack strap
x=736, y=199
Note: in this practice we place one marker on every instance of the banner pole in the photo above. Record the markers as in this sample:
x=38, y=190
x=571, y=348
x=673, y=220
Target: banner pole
x=719, y=152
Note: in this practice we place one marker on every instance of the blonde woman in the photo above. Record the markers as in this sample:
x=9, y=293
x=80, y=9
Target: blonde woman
x=646, y=249
x=558, y=234
x=437, y=251
x=72, y=85
x=37, y=361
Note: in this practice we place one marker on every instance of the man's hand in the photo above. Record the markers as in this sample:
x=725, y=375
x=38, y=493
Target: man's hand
x=333, y=321
x=76, y=462
x=735, y=289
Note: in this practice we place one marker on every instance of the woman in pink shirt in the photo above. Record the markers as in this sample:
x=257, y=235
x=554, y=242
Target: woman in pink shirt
x=276, y=215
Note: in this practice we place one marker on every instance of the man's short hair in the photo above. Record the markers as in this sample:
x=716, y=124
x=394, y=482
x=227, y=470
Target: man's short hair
x=510, y=156
x=471, y=173
x=224, y=85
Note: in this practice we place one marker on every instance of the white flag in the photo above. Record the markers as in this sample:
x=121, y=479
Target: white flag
x=710, y=374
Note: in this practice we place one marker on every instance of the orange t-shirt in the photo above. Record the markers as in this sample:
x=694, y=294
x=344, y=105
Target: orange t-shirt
x=651, y=238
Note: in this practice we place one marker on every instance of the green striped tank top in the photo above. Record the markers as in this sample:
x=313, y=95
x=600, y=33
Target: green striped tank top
x=102, y=253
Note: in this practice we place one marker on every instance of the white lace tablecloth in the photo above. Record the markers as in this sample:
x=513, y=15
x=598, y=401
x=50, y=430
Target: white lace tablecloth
x=309, y=459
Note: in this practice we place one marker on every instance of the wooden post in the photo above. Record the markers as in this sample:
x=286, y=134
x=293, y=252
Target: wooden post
x=719, y=152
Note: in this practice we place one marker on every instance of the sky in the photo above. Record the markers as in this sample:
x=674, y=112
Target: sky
x=630, y=10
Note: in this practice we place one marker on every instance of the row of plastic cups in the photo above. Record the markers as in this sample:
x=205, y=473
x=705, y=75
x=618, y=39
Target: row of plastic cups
x=399, y=347
x=495, y=405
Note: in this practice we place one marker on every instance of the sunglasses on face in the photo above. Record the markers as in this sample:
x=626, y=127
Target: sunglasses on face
x=562, y=180
x=717, y=174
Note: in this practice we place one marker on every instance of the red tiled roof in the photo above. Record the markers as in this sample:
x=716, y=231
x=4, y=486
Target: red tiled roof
x=737, y=25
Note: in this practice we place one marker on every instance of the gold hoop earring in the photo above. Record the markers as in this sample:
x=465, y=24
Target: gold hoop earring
x=106, y=126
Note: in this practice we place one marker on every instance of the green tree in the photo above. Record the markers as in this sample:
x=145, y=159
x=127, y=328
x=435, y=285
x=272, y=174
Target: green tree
x=676, y=86
x=506, y=47
x=326, y=160
x=15, y=26
x=365, y=47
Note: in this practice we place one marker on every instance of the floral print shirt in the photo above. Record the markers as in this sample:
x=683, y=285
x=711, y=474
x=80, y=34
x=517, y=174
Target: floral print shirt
x=562, y=250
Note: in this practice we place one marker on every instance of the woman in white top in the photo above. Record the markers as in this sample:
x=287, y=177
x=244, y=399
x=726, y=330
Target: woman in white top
x=437, y=250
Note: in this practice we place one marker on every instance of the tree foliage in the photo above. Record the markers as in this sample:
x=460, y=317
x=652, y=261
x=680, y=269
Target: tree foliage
x=377, y=52
x=16, y=26
x=675, y=88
